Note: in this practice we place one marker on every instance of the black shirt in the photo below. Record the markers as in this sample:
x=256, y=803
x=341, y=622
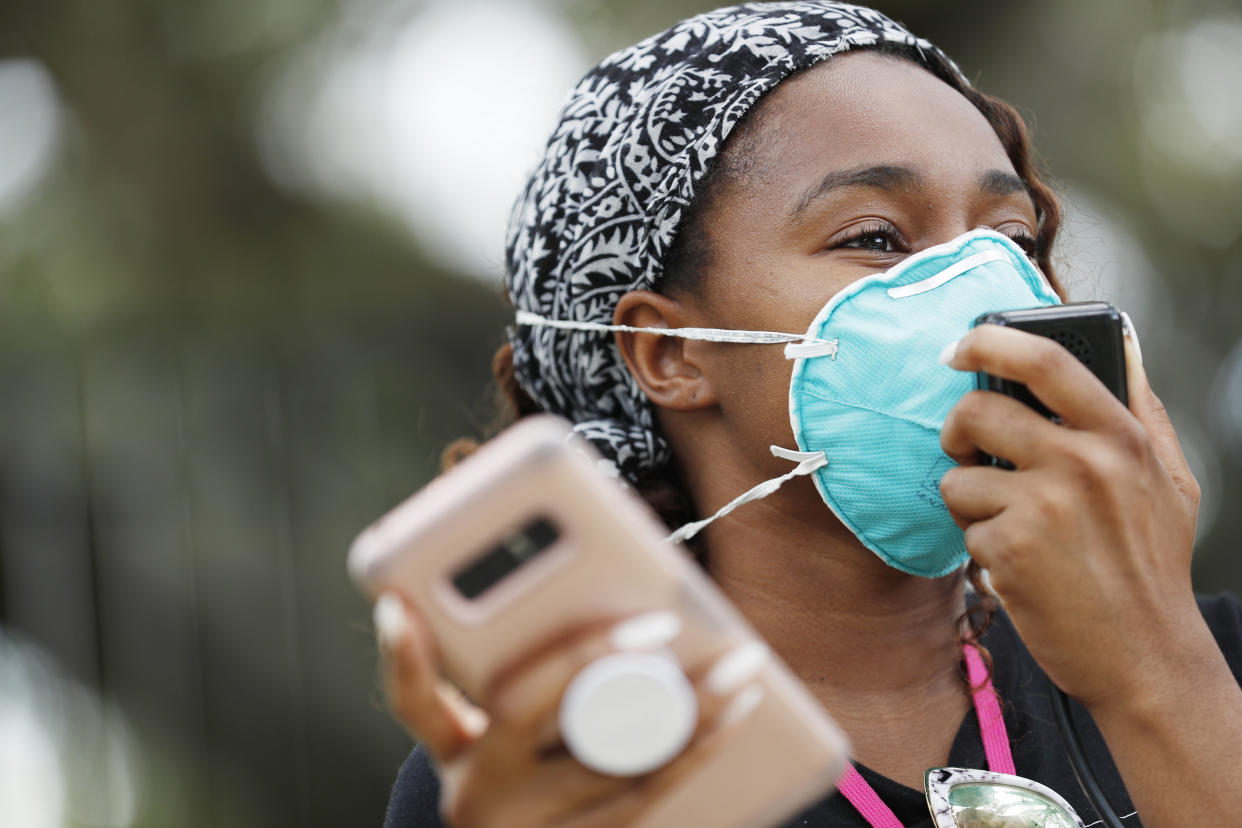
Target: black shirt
x=1038, y=752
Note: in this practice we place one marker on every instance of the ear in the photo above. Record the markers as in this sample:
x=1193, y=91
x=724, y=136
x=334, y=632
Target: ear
x=667, y=368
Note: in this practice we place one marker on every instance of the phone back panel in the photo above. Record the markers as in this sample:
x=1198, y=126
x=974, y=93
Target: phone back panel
x=605, y=557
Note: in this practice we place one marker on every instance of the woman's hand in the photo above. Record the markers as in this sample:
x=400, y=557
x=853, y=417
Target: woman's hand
x=1088, y=545
x=1088, y=540
x=507, y=766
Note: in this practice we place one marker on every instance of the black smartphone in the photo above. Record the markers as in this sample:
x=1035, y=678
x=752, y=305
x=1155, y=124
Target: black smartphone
x=1091, y=331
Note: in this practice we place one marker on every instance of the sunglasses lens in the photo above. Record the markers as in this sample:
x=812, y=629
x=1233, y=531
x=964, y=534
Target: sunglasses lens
x=992, y=805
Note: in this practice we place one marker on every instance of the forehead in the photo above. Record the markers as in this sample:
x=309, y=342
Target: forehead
x=865, y=108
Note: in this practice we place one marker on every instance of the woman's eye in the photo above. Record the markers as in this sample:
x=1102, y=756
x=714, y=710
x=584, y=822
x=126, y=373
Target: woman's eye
x=1025, y=241
x=1021, y=236
x=876, y=239
x=872, y=241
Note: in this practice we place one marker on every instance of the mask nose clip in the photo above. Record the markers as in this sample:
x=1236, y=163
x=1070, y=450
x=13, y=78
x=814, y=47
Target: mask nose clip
x=948, y=274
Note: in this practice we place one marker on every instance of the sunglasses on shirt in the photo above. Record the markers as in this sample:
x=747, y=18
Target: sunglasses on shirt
x=967, y=798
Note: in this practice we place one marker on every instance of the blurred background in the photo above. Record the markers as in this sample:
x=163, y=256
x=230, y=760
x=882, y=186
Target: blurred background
x=249, y=289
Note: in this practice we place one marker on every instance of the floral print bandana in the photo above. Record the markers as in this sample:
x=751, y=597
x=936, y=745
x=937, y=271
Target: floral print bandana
x=631, y=145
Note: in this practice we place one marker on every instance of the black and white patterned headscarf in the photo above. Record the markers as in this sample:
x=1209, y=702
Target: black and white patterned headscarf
x=635, y=139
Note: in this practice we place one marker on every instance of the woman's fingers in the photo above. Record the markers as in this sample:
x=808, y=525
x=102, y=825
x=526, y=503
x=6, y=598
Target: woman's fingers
x=1151, y=412
x=644, y=793
x=998, y=425
x=1053, y=374
x=728, y=693
x=525, y=700
x=434, y=712
x=978, y=493
x=522, y=751
x=524, y=697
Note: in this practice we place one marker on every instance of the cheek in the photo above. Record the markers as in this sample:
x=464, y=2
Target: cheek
x=776, y=293
x=752, y=384
x=786, y=294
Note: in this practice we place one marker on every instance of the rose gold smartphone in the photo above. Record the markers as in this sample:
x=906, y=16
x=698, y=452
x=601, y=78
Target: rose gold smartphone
x=526, y=539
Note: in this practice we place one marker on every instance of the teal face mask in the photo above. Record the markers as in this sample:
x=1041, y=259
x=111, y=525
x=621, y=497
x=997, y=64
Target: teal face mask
x=876, y=407
x=867, y=397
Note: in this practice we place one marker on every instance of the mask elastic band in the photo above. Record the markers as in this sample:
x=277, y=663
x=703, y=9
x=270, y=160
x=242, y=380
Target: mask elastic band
x=703, y=334
x=808, y=462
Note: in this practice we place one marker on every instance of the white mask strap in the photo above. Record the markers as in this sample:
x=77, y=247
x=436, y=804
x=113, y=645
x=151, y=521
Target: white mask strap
x=808, y=462
x=703, y=334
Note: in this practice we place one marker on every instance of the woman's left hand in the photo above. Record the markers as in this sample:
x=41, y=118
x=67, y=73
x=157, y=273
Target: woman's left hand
x=1088, y=540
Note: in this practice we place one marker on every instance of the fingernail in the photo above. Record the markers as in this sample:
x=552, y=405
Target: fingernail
x=742, y=706
x=736, y=667
x=1128, y=326
x=645, y=632
x=474, y=721
x=391, y=623
x=947, y=352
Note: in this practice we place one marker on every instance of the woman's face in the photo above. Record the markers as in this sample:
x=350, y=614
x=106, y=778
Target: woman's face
x=851, y=167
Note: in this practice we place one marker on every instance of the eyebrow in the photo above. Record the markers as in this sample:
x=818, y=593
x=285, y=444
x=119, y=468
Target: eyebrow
x=882, y=176
x=1001, y=183
x=895, y=178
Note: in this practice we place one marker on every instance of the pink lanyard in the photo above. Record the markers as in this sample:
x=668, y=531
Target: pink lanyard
x=995, y=746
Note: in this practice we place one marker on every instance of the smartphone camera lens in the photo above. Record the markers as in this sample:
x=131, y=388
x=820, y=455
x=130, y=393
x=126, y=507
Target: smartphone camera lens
x=505, y=557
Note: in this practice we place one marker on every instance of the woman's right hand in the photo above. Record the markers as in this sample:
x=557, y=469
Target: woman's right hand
x=502, y=762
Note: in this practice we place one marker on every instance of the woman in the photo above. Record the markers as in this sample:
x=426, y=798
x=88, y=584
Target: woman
x=736, y=172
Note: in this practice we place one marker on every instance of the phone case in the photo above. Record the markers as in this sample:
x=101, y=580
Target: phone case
x=525, y=539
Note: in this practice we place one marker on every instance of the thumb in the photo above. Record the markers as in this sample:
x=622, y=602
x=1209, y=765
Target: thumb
x=1150, y=411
